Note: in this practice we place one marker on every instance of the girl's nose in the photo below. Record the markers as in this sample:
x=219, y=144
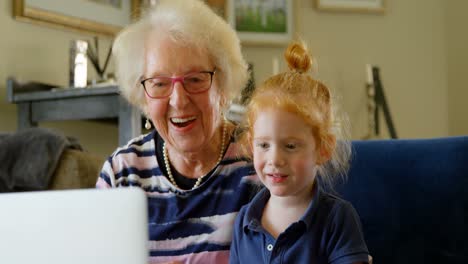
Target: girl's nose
x=276, y=157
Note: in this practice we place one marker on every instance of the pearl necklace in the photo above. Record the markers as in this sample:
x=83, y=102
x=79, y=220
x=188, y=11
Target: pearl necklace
x=199, y=180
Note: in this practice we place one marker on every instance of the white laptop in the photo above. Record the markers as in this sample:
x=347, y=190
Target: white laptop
x=83, y=226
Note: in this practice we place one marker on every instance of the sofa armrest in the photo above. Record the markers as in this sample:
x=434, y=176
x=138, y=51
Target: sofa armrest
x=76, y=169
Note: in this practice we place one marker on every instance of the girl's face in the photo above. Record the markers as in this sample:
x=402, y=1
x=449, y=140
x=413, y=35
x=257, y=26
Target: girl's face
x=185, y=121
x=284, y=152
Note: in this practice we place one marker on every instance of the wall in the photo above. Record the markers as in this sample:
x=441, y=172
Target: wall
x=408, y=42
x=38, y=53
x=457, y=66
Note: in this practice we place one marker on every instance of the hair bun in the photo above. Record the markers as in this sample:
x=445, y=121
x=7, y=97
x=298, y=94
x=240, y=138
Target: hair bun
x=298, y=57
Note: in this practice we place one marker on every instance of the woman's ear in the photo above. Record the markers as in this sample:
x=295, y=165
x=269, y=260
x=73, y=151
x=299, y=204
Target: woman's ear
x=327, y=147
x=145, y=111
x=224, y=102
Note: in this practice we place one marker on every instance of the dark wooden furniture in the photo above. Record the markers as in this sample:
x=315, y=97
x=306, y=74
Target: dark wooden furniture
x=39, y=102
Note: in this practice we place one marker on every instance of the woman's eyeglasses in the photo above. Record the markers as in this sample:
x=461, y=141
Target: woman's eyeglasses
x=161, y=86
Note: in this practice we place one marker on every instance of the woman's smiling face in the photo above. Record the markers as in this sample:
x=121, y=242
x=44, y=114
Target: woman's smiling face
x=185, y=121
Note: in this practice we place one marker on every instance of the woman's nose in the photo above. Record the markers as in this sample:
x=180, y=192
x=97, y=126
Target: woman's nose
x=179, y=97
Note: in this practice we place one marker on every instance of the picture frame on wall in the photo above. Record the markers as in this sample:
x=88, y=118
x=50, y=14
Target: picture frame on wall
x=361, y=6
x=105, y=17
x=262, y=22
x=219, y=6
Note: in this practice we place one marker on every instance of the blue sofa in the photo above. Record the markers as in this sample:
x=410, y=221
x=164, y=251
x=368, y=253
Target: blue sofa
x=412, y=197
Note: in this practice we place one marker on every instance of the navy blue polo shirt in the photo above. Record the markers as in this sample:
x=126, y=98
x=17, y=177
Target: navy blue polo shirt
x=328, y=232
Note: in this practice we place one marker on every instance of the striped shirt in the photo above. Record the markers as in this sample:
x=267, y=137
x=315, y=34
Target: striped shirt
x=192, y=226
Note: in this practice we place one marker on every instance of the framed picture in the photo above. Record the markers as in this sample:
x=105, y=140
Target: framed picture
x=262, y=22
x=104, y=17
x=219, y=6
x=364, y=6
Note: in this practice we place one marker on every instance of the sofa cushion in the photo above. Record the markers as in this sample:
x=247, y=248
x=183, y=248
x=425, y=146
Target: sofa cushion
x=411, y=197
x=30, y=156
x=76, y=170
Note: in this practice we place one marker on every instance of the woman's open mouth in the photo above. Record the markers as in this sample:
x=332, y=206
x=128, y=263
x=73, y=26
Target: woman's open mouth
x=182, y=122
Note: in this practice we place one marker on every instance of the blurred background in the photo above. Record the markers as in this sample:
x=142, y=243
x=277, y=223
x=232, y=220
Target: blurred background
x=419, y=46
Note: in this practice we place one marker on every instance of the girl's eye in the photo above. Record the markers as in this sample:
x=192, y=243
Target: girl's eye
x=291, y=146
x=262, y=145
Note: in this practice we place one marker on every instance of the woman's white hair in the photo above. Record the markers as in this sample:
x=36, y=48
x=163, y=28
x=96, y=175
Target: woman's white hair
x=186, y=22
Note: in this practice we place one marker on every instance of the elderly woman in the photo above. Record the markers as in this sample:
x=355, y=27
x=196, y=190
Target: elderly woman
x=181, y=64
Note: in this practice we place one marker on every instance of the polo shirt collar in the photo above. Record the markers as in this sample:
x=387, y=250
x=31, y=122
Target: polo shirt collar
x=253, y=216
x=311, y=211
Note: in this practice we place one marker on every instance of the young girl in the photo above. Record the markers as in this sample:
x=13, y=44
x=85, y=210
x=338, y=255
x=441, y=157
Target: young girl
x=292, y=131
